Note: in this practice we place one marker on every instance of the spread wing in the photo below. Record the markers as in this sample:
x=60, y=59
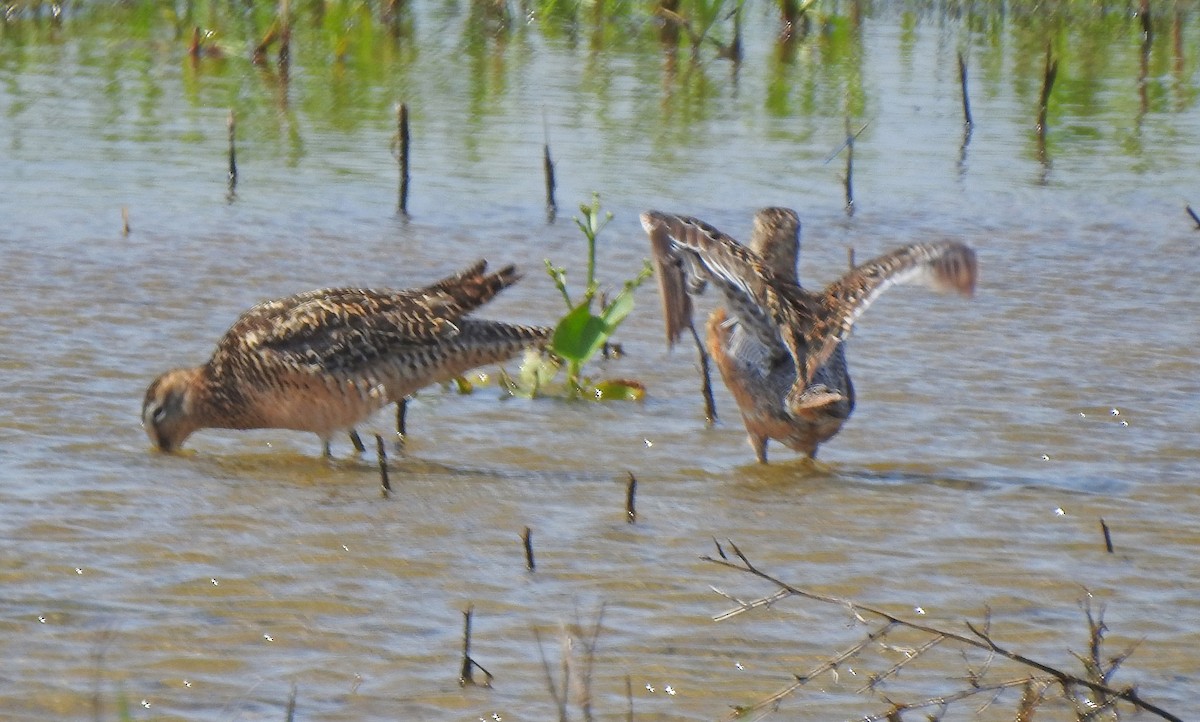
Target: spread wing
x=943, y=266
x=689, y=253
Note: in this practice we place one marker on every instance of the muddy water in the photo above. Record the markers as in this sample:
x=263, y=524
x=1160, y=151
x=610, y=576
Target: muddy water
x=991, y=435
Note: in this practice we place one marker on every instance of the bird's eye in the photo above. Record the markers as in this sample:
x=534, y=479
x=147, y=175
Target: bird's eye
x=160, y=413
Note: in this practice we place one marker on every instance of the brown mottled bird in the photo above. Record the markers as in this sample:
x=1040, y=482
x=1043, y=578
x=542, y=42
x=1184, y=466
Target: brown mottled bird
x=326, y=360
x=779, y=346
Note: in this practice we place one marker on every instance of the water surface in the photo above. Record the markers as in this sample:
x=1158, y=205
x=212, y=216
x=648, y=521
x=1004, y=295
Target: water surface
x=991, y=435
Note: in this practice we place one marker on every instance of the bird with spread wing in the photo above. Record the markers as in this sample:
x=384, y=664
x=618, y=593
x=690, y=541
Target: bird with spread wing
x=779, y=347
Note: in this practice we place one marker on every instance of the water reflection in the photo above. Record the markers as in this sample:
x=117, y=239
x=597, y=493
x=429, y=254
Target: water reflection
x=358, y=60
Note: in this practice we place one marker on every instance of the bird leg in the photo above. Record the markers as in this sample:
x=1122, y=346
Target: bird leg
x=401, y=422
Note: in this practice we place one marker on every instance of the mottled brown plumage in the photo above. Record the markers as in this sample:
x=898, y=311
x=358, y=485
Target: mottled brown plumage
x=779, y=346
x=326, y=360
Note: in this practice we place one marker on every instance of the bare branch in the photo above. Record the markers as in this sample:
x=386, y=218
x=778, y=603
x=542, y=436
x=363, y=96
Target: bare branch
x=981, y=639
x=744, y=606
x=946, y=700
x=827, y=665
x=912, y=655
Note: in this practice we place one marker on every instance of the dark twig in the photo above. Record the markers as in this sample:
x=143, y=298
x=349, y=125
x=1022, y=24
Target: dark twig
x=233, y=171
x=1108, y=545
x=845, y=144
x=849, y=169
x=710, y=406
x=466, y=673
x=968, y=123
x=527, y=541
x=384, y=483
x=402, y=141
x=1047, y=84
x=402, y=420
x=1195, y=217
x=630, y=493
x=548, y=166
x=850, y=257
x=1048, y=77
x=966, y=100
x=125, y=220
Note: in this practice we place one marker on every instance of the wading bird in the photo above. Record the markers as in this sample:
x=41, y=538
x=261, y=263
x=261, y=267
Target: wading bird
x=326, y=360
x=779, y=346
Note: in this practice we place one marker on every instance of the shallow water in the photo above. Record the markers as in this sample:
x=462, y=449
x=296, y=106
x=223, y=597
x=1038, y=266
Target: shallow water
x=991, y=435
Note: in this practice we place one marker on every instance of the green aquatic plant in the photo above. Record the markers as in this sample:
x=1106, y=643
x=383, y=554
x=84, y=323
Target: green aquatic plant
x=697, y=18
x=588, y=326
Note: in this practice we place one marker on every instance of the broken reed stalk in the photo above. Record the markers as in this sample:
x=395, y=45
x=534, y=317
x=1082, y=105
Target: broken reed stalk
x=1195, y=217
x=402, y=419
x=466, y=672
x=125, y=220
x=710, y=405
x=1147, y=26
x=469, y=665
x=402, y=154
x=1108, y=545
x=850, y=257
x=981, y=638
x=233, y=171
x=1048, y=76
x=285, y=34
x=548, y=165
x=849, y=169
x=630, y=494
x=381, y=452
x=966, y=100
x=527, y=541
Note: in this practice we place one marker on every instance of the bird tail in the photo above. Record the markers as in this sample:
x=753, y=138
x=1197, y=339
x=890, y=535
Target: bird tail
x=471, y=288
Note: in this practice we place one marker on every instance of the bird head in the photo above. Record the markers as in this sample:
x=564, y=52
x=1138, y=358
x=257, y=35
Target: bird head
x=167, y=409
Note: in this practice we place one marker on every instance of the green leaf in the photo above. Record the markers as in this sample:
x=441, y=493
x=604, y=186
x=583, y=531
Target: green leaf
x=621, y=306
x=579, y=335
x=616, y=311
x=620, y=390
